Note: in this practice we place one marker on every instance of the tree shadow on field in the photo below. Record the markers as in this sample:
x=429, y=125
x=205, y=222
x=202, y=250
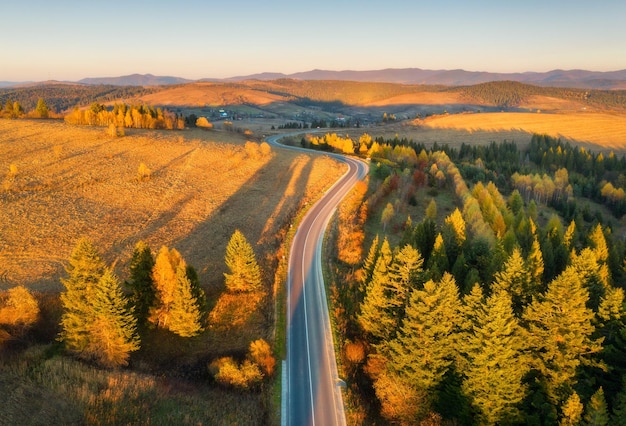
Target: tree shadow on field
x=261, y=209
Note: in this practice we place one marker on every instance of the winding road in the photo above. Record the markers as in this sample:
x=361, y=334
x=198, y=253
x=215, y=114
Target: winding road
x=311, y=389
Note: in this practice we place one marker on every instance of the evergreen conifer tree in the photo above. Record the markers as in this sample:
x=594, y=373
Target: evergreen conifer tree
x=572, y=411
x=113, y=333
x=560, y=329
x=496, y=362
x=534, y=264
x=375, y=315
x=178, y=301
x=84, y=271
x=597, y=413
x=164, y=279
x=425, y=347
x=370, y=263
x=185, y=315
x=245, y=274
x=140, y=282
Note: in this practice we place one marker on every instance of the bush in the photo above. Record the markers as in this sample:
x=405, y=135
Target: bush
x=261, y=354
x=143, y=172
x=204, y=123
x=227, y=372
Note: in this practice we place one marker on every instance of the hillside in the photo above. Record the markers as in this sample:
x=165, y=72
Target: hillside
x=284, y=97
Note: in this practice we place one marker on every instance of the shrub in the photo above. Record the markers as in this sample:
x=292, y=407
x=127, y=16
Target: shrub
x=227, y=372
x=143, y=172
x=261, y=354
x=204, y=123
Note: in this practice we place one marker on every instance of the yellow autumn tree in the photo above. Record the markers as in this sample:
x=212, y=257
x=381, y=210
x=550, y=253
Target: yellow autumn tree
x=19, y=311
x=176, y=306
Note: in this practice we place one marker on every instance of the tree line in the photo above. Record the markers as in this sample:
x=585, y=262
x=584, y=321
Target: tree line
x=63, y=97
x=126, y=116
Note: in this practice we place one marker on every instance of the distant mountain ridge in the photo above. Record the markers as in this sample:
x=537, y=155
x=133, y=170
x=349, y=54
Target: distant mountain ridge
x=136, y=80
x=582, y=79
x=559, y=78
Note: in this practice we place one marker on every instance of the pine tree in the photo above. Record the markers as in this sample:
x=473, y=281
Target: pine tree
x=370, y=263
x=424, y=349
x=178, y=301
x=438, y=262
x=403, y=276
x=196, y=290
x=568, y=238
x=534, y=264
x=164, y=279
x=375, y=315
x=141, y=283
x=619, y=409
x=185, y=315
x=514, y=278
x=113, y=333
x=572, y=411
x=84, y=271
x=494, y=350
x=560, y=332
x=597, y=413
x=456, y=221
x=245, y=274
x=42, y=109
x=598, y=243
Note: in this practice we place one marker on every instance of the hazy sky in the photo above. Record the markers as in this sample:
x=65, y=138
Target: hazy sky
x=70, y=40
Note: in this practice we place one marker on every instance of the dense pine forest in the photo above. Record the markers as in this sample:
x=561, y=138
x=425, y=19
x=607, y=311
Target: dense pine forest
x=492, y=291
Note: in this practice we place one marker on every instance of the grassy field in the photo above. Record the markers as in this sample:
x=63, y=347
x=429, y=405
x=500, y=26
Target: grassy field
x=61, y=183
x=77, y=182
x=598, y=131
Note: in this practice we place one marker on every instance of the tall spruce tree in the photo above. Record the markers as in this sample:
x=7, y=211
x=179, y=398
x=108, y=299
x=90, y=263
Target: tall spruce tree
x=96, y=323
x=425, y=347
x=177, y=306
x=113, y=333
x=596, y=412
x=185, y=315
x=140, y=282
x=375, y=317
x=84, y=270
x=560, y=329
x=164, y=279
x=370, y=263
x=515, y=279
x=572, y=411
x=245, y=274
x=495, y=354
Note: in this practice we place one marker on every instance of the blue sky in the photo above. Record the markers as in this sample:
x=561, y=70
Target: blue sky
x=70, y=40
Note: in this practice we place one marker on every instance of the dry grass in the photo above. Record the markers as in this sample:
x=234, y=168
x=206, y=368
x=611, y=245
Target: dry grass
x=599, y=131
x=76, y=182
x=211, y=94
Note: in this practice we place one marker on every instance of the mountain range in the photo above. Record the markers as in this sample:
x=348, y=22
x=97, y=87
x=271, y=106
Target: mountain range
x=556, y=78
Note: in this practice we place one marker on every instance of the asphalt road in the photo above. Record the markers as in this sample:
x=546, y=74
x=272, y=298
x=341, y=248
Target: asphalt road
x=312, y=393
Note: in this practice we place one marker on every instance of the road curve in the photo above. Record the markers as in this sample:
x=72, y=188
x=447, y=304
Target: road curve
x=313, y=395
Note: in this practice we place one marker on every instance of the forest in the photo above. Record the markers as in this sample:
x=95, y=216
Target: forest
x=507, y=94
x=64, y=97
x=499, y=300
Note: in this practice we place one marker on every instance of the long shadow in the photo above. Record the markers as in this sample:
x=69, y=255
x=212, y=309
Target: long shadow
x=277, y=187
